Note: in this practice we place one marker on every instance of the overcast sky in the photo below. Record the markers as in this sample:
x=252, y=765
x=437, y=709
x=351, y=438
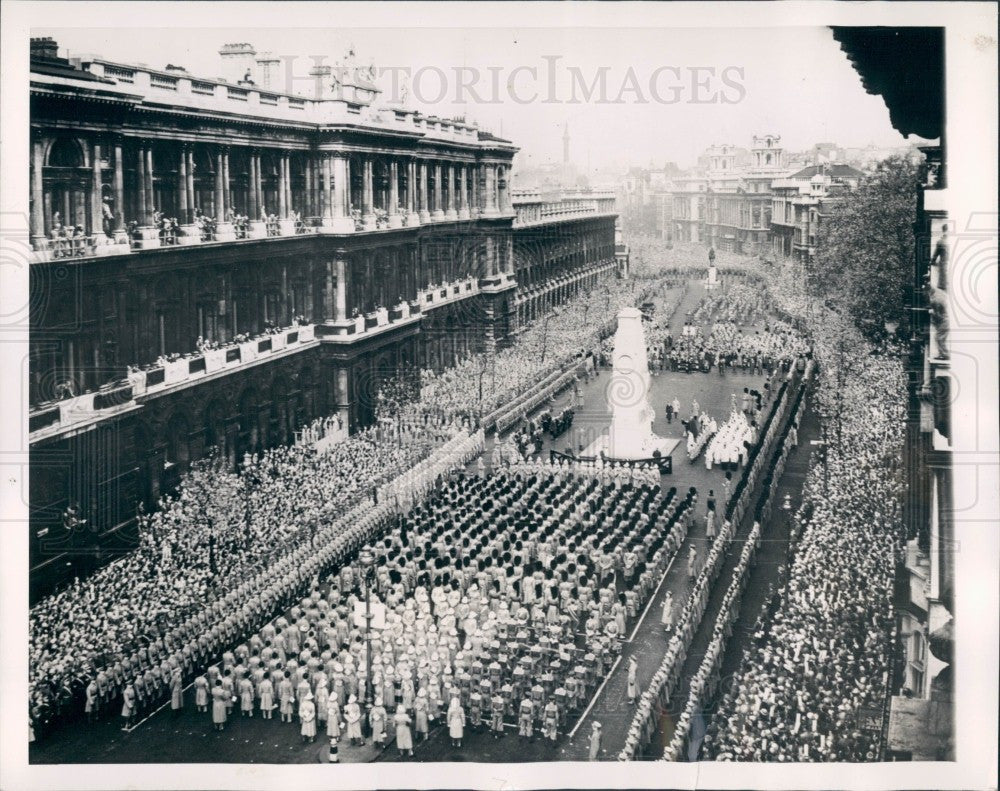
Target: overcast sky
x=630, y=96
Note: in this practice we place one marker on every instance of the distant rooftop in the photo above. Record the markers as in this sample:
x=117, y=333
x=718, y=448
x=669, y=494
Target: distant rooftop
x=837, y=170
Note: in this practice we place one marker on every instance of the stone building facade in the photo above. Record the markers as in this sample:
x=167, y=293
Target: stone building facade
x=216, y=263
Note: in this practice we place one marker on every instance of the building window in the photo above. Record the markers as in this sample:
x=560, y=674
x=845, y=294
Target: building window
x=272, y=308
x=918, y=648
x=208, y=321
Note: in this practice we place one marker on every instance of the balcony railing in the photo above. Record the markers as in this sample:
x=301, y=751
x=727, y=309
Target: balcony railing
x=228, y=356
x=442, y=294
x=247, y=99
x=207, y=230
x=45, y=418
x=78, y=246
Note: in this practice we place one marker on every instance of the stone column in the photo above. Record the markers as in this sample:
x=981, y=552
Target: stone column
x=327, y=179
x=38, y=194
x=282, y=192
x=491, y=257
x=452, y=211
x=257, y=227
x=220, y=194
x=340, y=269
x=342, y=396
x=503, y=190
x=151, y=207
x=259, y=188
x=285, y=223
x=339, y=195
x=368, y=194
x=480, y=189
x=140, y=173
x=182, y=196
x=308, y=209
x=224, y=231
x=463, y=196
x=289, y=201
x=190, y=185
x=412, y=218
x=395, y=218
x=253, y=208
x=189, y=231
x=226, y=182
x=120, y=236
x=490, y=202
x=437, y=212
x=96, y=205
x=148, y=236
x=329, y=309
x=425, y=214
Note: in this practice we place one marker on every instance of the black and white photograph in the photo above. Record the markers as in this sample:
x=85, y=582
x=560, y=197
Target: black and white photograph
x=504, y=396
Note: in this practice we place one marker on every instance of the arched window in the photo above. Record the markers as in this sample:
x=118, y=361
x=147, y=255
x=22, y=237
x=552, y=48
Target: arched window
x=66, y=188
x=66, y=153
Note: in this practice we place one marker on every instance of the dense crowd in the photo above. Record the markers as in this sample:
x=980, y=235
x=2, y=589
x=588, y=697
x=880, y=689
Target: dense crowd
x=728, y=346
x=646, y=721
x=222, y=526
x=481, y=383
x=507, y=594
x=505, y=600
x=824, y=654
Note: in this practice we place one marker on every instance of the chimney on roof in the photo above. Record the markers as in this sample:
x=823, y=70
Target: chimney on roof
x=237, y=60
x=322, y=78
x=269, y=71
x=44, y=48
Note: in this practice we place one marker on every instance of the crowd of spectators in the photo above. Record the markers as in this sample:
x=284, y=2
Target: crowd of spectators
x=821, y=652
x=481, y=383
x=221, y=527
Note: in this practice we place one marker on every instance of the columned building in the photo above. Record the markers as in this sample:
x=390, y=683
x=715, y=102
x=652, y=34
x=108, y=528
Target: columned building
x=564, y=243
x=801, y=201
x=688, y=212
x=739, y=205
x=216, y=263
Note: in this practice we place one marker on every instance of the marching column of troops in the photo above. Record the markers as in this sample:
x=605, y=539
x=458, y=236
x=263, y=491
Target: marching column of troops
x=507, y=598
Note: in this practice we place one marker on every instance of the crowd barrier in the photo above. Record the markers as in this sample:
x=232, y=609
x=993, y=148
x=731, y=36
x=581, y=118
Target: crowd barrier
x=706, y=678
x=657, y=696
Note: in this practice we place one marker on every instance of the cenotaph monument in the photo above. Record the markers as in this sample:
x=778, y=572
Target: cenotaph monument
x=630, y=435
